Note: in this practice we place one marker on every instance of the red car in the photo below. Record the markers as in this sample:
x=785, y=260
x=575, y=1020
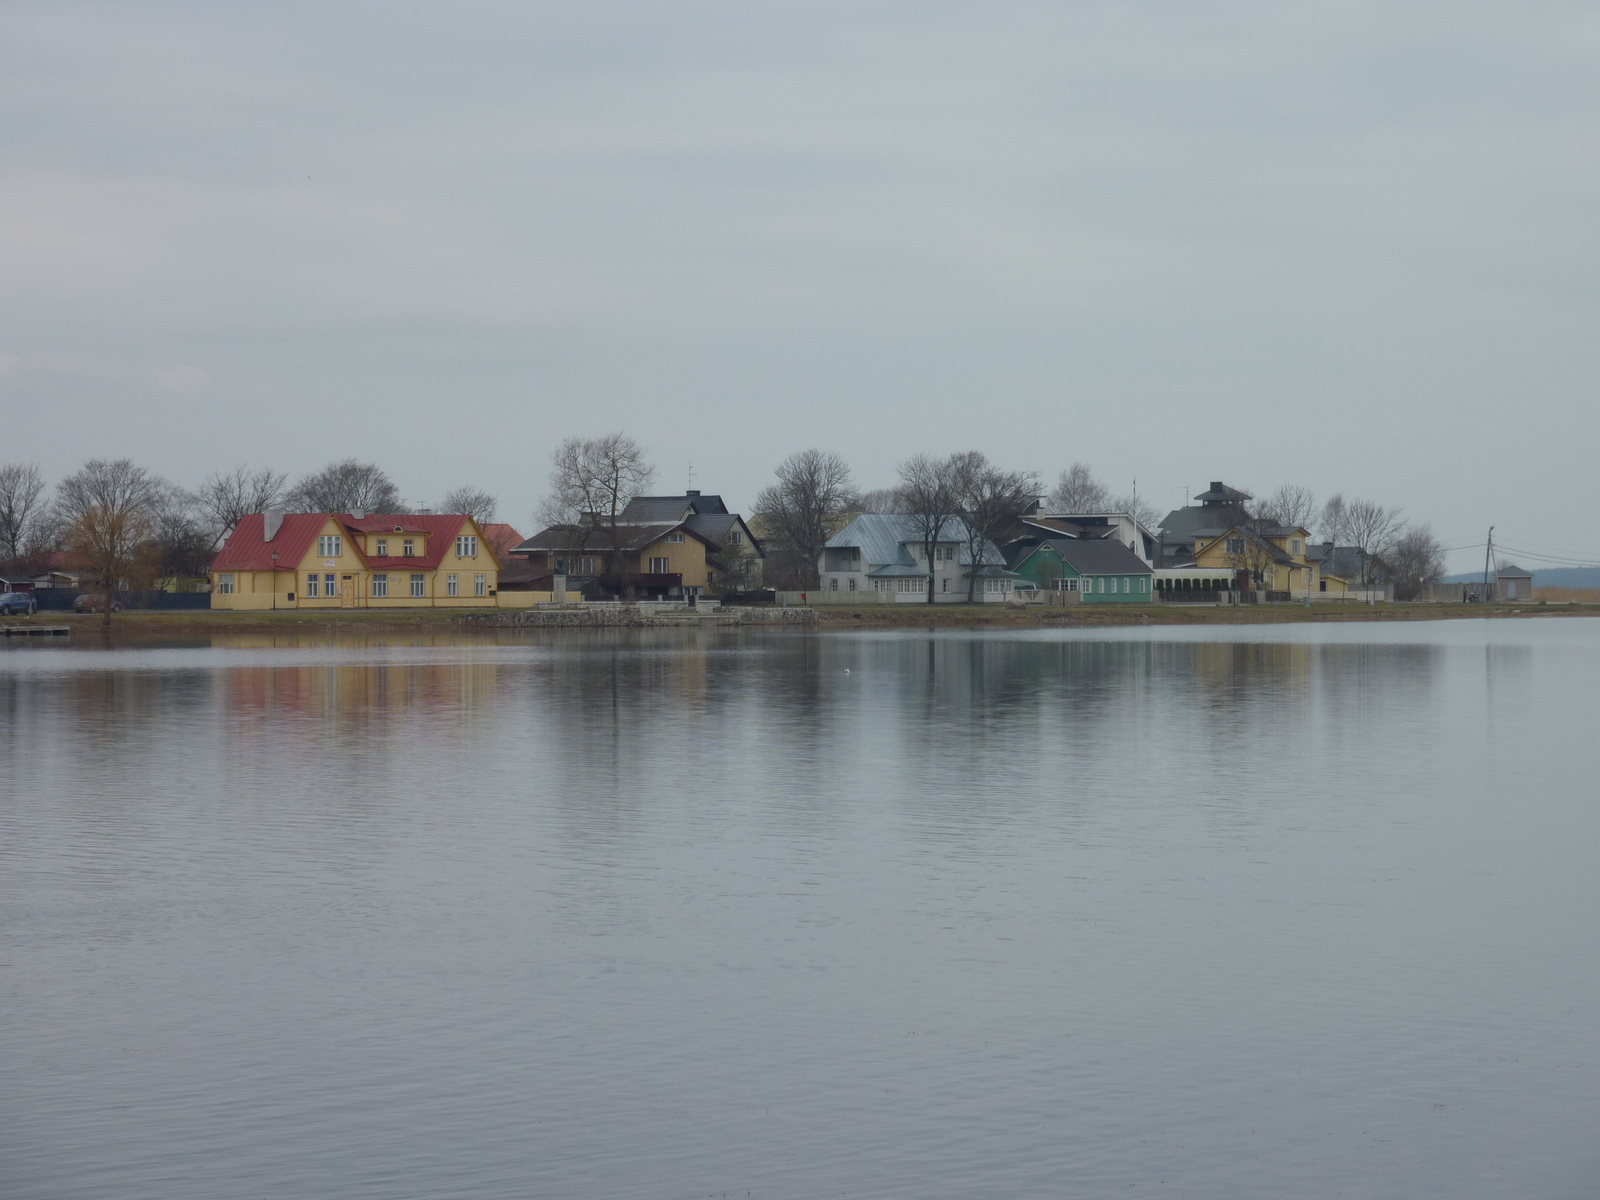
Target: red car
x=90, y=602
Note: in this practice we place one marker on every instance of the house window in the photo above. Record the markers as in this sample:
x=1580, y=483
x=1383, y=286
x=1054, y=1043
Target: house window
x=328, y=587
x=408, y=548
x=586, y=566
x=383, y=548
x=225, y=584
x=1144, y=585
x=852, y=583
x=467, y=547
x=944, y=584
x=311, y=586
x=1127, y=585
x=1100, y=584
x=997, y=585
x=480, y=585
x=673, y=537
x=1294, y=545
x=660, y=566
x=735, y=537
x=1235, y=546
x=909, y=585
x=330, y=546
x=417, y=586
x=380, y=587
x=451, y=586
x=833, y=583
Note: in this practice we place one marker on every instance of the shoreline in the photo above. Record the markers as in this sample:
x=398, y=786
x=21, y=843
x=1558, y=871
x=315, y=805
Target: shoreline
x=193, y=623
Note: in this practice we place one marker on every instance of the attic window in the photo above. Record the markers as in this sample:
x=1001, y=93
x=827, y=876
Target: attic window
x=408, y=548
x=383, y=547
x=398, y=529
x=1235, y=545
x=674, y=537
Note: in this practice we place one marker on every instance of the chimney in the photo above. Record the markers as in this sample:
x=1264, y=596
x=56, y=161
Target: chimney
x=691, y=493
x=359, y=514
x=271, y=521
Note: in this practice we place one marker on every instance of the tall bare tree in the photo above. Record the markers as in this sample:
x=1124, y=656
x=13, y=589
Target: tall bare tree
x=180, y=547
x=347, y=486
x=928, y=492
x=1291, y=504
x=22, y=507
x=476, y=503
x=1078, y=491
x=592, y=480
x=1334, y=523
x=881, y=500
x=988, y=499
x=810, y=501
x=1416, y=561
x=227, y=497
x=108, y=510
x=1372, y=529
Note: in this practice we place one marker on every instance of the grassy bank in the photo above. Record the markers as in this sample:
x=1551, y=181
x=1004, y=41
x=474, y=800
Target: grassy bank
x=885, y=616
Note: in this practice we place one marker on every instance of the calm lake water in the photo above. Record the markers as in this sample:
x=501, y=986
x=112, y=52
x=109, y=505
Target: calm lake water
x=1232, y=913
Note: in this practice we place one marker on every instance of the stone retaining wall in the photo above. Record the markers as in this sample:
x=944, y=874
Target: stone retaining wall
x=612, y=616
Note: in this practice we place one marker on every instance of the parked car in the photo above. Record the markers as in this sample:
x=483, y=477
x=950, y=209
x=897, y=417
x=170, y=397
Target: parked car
x=91, y=602
x=13, y=603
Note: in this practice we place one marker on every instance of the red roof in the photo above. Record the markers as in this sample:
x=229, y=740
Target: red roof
x=501, y=537
x=248, y=550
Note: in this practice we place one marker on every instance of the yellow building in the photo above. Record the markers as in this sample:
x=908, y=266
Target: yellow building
x=355, y=560
x=661, y=560
x=1269, y=558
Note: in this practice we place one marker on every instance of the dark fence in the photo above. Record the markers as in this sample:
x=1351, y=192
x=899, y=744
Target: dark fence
x=60, y=600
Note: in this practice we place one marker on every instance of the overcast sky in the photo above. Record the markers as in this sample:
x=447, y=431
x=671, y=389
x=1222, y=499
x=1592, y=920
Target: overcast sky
x=1346, y=245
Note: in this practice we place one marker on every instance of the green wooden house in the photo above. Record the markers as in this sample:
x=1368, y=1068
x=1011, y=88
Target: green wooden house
x=1103, y=571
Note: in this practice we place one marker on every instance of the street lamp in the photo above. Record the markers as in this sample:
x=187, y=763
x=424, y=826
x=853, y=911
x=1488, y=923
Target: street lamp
x=274, y=581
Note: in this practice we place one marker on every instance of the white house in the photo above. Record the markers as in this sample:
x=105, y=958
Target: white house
x=881, y=557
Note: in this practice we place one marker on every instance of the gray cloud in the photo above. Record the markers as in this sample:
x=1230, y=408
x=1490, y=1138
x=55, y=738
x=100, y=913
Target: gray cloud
x=1347, y=245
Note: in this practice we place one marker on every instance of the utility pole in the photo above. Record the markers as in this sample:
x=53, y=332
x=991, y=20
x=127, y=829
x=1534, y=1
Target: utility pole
x=1488, y=552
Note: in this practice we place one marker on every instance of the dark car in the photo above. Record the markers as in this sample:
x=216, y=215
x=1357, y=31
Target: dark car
x=90, y=602
x=12, y=603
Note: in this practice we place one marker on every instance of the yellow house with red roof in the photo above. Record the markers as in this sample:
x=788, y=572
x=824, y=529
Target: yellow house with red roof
x=281, y=560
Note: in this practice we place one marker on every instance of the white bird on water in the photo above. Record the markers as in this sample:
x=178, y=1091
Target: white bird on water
x=847, y=670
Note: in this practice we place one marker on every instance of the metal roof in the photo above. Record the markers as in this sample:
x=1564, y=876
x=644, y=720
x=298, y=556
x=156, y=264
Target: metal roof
x=1099, y=557
x=887, y=538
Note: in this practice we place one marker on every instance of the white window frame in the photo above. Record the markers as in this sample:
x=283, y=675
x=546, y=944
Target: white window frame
x=311, y=586
x=1144, y=584
x=419, y=586
x=660, y=566
x=466, y=546
x=383, y=548
x=408, y=548
x=673, y=537
x=380, y=587
x=330, y=545
x=480, y=584
x=225, y=585
x=452, y=585
x=1100, y=584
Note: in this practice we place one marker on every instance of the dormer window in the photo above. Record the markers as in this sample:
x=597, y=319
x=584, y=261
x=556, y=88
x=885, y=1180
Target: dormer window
x=383, y=547
x=408, y=548
x=735, y=536
x=1294, y=546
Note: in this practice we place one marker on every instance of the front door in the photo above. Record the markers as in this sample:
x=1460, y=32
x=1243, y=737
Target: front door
x=347, y=591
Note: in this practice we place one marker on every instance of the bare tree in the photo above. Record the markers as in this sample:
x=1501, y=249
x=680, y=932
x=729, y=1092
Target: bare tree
x=881, y=500
x=927, y=489
x=227, y=497
x=108, y=509
x=22, y=507
x=1137, y=507
x=1078, y=491
x=346, y=487
x=808, y=504
x=1334, y=524
x=1415, y=562
x=591, y=481
x=474, y=502
x=180, y=547
x=988, y=499
x=1291, y=504
x=1372, y=529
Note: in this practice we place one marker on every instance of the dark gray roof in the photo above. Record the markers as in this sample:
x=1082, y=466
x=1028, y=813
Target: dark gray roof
x=1221, y=493
x=643, y=509
x=571, y=538
x=1098, y=557
x=1200, y=520
x=1512, y=571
